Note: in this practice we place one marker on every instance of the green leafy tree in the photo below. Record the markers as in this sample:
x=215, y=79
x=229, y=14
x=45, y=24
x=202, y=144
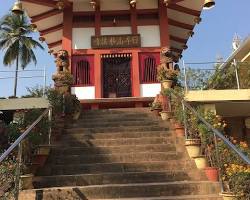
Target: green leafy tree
x=17, y=43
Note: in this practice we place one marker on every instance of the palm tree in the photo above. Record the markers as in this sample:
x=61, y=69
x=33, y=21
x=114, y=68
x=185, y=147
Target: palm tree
x=17, y=43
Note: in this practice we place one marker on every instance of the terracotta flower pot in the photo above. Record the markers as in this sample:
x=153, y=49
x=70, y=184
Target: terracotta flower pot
x=201, y=162
x=179, y=129
x=165, y=115
x=212, y=173
x=228, y=196
x=167, y=84
x=177, y=125
x=180, y=132
x=27, y=181
x=193, y=147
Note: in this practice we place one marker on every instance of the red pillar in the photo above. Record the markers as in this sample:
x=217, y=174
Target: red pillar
x=67, y=30
x=133, y=13
x=163, y=21
x=135, y=74
x=98, y=76
x=97, y=21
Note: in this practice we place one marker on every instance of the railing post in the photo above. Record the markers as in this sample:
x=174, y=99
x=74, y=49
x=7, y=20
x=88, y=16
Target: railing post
x=18, y=170
x=50, y=125
x=236, y=74
x=218, y=160
x=184, y=119
x=63, y=105
x=44, y=81
x=185, y=77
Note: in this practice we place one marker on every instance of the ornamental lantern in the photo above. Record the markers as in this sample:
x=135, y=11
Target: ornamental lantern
x=209, y=4
x=132, y=3
x=93, y=4
x=17, y=8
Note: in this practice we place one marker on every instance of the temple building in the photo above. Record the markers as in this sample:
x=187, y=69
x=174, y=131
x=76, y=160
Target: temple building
x=114, y=45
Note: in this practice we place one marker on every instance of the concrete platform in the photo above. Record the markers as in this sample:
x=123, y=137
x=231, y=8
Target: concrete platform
x=123, y=102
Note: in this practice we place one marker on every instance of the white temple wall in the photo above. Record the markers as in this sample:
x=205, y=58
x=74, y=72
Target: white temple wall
x=116, y=30
x=81, y=38
x=84, y=92
x=150, y=90
x=150, y=36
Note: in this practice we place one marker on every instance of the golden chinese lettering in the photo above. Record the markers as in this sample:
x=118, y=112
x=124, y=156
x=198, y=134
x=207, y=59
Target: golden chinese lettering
x=116, y=41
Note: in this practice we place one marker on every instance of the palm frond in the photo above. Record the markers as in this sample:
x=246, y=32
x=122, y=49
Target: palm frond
x=15, y=40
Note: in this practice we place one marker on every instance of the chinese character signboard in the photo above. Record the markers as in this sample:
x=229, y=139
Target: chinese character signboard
x=115, y=41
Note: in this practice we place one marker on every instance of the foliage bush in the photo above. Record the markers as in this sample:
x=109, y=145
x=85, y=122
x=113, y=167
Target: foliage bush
x=166, y=74
x=7, y=177
x=155, y=105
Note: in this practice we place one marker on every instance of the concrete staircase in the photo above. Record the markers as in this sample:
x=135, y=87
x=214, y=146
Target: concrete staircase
x=122, y=154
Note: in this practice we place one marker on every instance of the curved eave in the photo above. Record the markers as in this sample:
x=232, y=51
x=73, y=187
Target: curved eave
x=49, y=21
x=182, y=16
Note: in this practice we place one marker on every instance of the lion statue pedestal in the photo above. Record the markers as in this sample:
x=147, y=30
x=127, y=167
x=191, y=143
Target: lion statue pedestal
x=63, y=78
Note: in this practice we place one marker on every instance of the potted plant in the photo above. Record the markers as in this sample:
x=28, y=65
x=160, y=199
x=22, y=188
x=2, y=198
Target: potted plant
x=178, y=113
x=228, y=196
x=208, y=142
x=238, y=182
x=167, y=76
x=166, y=113
x=235, y=173
x=201, y=161
x=193, y=142
x=156, y=108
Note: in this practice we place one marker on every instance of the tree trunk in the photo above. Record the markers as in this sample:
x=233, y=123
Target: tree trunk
x=16, y=73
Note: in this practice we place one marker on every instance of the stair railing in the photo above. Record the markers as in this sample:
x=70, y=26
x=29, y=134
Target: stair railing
x=14, y=155
x=216, y=134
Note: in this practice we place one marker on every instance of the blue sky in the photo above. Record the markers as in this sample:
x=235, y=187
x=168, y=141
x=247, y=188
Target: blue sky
x=213, y=37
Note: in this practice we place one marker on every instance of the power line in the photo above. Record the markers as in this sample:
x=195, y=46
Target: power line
x=20, y=77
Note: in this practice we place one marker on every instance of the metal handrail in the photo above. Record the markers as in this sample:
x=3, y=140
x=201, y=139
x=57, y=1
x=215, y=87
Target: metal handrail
x=221, y=71
x=215, y=131
x=25, y=133
x=218, y=133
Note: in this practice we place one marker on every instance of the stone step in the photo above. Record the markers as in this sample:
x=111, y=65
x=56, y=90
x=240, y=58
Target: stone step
x=111, y=158
x=125, y=190
x=115, y=114
x=116, y=135
x=112, y=149
x=117, y=142
x=100, y=124
x=125, y=119
x=115, y=178
x=117, y=111
x=182, y=197
x=116, y=129
x=97, y=168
